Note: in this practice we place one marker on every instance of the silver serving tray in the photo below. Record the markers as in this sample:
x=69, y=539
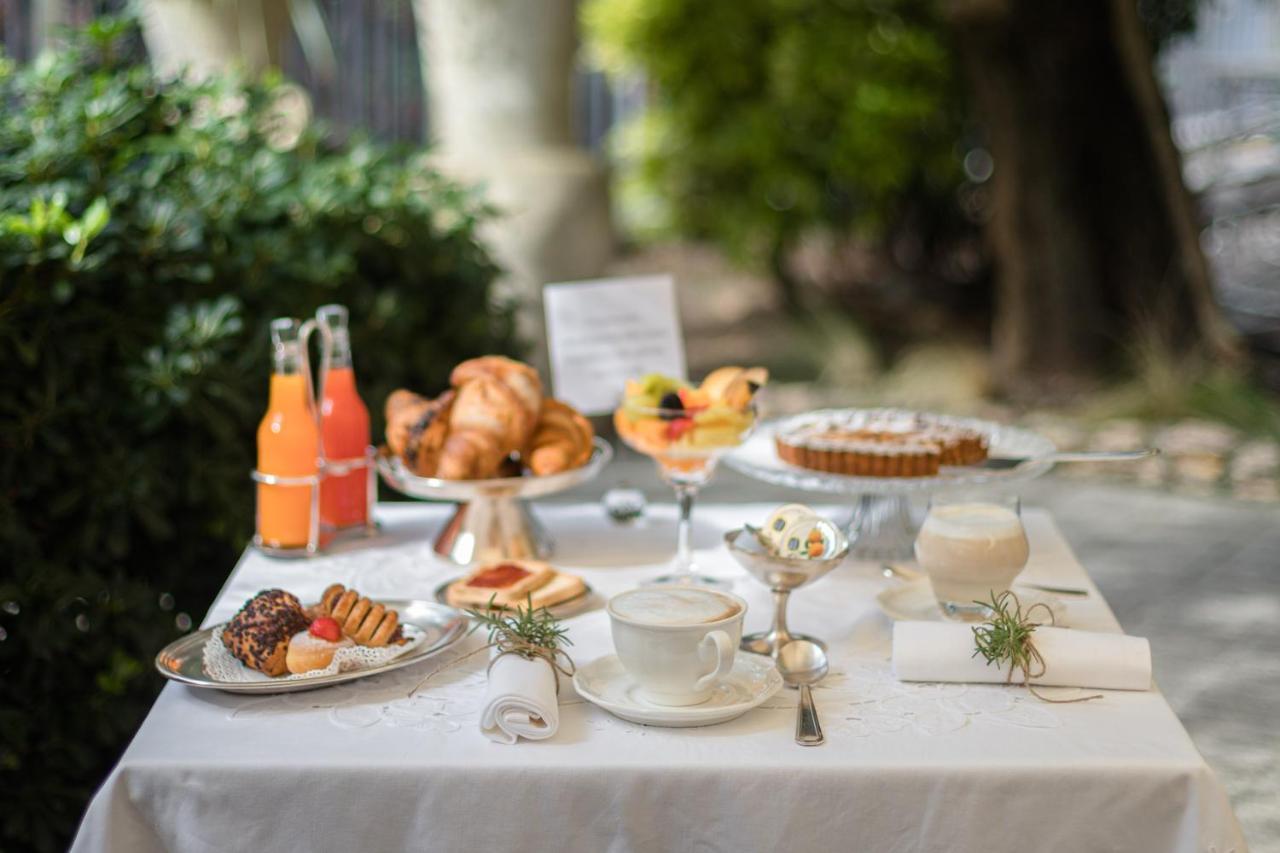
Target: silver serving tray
x=584, y=600
x=183, y=659
x=395, y=474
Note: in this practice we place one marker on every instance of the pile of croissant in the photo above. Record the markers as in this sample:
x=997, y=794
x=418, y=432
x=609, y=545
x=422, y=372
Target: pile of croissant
x=492, y=422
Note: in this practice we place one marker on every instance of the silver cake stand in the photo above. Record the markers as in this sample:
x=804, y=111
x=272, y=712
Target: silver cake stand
x=880, y=525
x=492, y=520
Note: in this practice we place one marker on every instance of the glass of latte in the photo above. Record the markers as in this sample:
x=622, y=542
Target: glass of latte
x=971, y=548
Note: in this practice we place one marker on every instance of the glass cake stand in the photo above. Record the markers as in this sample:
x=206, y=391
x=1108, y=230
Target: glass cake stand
x=492, y=520
x=880, y=525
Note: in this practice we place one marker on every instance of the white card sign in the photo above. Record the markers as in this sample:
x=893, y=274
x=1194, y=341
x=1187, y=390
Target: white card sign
x=602, y=333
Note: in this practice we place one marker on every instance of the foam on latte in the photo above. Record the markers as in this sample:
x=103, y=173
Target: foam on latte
x=672, y=607
x=988, y=523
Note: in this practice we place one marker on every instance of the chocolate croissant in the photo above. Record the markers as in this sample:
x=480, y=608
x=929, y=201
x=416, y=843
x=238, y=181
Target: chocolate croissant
x=561, y=440
x=417, y=428
x=363, y=620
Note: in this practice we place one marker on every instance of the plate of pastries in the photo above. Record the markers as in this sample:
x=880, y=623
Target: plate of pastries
x=493, y=425
x=508, y=584
x=841, y=449
x=275, y=643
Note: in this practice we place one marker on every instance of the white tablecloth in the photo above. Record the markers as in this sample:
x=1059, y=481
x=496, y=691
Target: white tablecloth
x=362, y=767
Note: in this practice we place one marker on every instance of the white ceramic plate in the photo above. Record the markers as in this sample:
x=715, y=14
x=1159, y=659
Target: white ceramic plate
x=914, y=602
x=753, y=680
x=585, y=600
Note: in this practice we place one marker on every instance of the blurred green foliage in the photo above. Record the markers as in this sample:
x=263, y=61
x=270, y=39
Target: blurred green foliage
x=148, y=233
x=772, y=118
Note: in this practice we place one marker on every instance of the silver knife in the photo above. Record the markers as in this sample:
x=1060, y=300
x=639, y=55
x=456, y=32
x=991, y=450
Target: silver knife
x=891, y=570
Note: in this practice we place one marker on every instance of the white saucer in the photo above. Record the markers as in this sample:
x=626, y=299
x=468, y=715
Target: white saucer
x=752, y=681
x=914, y=602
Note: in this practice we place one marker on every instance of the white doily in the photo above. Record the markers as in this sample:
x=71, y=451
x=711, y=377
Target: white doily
x=863, y=699
x=221, y=665
x=450, y=699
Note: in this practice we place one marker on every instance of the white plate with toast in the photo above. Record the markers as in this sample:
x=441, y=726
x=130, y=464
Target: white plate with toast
x=581, y=600
x=443, y=626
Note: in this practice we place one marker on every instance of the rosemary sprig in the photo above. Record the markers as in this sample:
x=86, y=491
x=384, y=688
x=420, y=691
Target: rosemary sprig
x=1006, y=637
x=520, y=630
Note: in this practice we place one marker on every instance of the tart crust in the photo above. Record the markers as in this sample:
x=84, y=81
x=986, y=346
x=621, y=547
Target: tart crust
x=879, y=443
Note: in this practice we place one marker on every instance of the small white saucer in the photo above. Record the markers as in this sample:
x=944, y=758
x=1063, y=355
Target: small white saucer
x=753, y=680
x=913, y=601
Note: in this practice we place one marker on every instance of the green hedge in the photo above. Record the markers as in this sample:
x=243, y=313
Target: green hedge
x=149, y=231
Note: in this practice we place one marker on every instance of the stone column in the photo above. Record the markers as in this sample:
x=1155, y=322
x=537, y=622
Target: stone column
x=203, y=37
x=499, y=76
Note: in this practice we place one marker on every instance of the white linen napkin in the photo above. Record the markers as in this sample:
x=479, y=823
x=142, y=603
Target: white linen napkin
x=943, y=651
x=520, y=700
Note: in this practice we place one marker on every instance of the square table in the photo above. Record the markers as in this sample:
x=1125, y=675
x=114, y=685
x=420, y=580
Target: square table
x=364, y=767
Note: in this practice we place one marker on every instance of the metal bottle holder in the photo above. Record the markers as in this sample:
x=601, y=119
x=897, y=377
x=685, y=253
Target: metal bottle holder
x=320, y=537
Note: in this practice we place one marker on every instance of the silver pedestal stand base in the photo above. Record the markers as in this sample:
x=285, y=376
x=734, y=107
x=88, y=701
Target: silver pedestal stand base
x=881, y=528
x=486, y=529
x=492, y=520
x=768, y=642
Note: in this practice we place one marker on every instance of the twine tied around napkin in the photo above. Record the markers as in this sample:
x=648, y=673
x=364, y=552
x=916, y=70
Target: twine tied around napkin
x=529, y=634
x=1007, y=637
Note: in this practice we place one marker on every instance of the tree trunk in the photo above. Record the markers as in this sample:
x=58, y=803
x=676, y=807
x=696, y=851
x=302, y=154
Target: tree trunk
x=1095, y=237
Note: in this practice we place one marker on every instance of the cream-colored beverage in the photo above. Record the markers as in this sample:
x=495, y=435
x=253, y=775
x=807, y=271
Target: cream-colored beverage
x=676, y=643
x=673, y=607
x=969, y=551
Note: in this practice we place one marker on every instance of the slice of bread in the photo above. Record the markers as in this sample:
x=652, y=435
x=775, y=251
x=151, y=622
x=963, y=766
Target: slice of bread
x=559, y=587
x=509, y=580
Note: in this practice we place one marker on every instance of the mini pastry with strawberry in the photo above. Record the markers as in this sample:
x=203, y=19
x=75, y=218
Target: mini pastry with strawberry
x=665, y=417
x=314, y=648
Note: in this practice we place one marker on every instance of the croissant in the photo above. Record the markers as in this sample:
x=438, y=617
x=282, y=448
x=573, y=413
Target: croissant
x=493, y=415
x=518, y=376
x=562, y=440
x=498, y=395
x=364, y=621
x=417, y=428
x=471, y=454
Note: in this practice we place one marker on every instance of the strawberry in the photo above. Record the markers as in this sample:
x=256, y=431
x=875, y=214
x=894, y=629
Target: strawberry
x=326, y=629
x=678, y=427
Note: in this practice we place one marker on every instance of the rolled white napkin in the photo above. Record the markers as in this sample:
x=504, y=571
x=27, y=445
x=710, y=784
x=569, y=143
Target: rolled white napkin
x=943, y=651
x=520, y=700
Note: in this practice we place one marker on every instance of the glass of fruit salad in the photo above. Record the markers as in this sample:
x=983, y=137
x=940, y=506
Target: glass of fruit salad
x=686, y=428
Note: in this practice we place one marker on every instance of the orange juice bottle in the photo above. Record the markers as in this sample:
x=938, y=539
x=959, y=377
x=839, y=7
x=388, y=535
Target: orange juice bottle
x=344, y=427
x=288, y=443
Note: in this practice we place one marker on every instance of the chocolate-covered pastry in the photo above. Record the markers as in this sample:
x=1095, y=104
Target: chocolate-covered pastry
x=259, y=634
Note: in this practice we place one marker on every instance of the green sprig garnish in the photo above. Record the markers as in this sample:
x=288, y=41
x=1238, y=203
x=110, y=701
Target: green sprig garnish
x=1006, y=637
x=526, y=627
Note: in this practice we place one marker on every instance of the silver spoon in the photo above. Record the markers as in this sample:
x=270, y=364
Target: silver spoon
x=803, y=663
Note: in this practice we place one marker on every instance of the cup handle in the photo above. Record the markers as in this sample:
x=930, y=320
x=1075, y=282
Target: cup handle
x=723, y=645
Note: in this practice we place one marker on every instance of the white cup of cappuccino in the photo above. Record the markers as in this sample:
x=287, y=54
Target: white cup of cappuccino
x=676, y=642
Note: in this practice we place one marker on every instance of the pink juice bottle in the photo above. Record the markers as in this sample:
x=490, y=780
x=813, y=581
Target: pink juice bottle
x=344, y=427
